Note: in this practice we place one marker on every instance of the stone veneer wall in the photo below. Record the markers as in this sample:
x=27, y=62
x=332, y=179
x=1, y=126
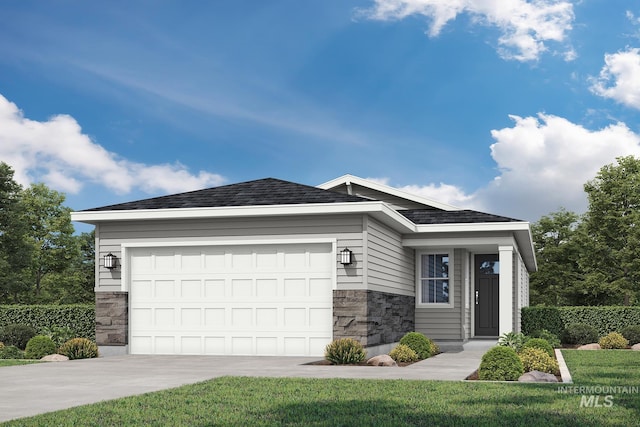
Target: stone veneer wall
x=112, y=324
x=372, y=317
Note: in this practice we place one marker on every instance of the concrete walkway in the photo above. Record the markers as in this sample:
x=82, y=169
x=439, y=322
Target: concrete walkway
x=34, y=389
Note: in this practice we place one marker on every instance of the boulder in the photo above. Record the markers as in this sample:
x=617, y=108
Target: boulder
x=382, y=360
x=593, y=346
x=636, y=347
x=537, y=377
x=55, y=358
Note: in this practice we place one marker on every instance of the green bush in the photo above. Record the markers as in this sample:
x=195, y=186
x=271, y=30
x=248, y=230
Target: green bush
x=11, y=352
x=423, y=346
x=513, y=340
x=632, y=333
x=58, y=334
x=613, y=340
x=555, y=319
x=536, y=359
x=17, y=334
x=345, y=351
x=404, y=353
x=79, y=348
x=551, y=338
x=579, y=333
x=541, y=344
x=39, y=346
x=80, y=318
x=500, y=363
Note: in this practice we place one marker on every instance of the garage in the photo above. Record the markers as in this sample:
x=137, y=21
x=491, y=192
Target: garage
x=266, y=299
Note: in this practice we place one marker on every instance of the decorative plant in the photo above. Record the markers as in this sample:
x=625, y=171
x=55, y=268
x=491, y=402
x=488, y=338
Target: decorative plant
x=403, y=353
x=514, y=340
x=79, y=348
x=536, y=359
x=419, y=343
x=580, y=333
x=11, y=352
x=613, y=340
x=539, y=343
x=39, y=346
x=546, y=335
x=345, y=351
x=632, y=333
x=500, y=363
x=17, y=334
x=58, y=334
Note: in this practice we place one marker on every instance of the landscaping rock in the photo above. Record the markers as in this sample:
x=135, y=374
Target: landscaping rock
x=537, y=377
x=55, y=358
x=593, y=346
x=382, y=360
x=636, y=347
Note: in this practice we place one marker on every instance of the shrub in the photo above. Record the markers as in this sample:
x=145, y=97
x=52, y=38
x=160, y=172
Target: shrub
x=17, y=334
x=79, y=348
x=580, y=333
x=11, y=352
x=501, y=363
x=58, y=334
x=539, y=343
x=614, y=340
x=551, y=338
x=419, y=343
x=39, y=346
x=632, y=333
x=345, y=351
x=536, y=359
x=80, y=318
x=404, y=353
x=513, y=340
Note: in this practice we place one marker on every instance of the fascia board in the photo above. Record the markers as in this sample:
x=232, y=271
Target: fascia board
x=378, y=209
x=482, y=226
x=351, y=179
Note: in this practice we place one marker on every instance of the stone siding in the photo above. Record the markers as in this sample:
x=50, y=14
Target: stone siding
x=372, y=317
x=112, y=322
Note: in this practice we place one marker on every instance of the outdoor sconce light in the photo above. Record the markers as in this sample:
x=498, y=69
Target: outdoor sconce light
x=346, y=256
x=110, y=261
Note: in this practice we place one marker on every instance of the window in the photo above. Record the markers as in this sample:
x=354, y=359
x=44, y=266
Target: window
x=434, y=278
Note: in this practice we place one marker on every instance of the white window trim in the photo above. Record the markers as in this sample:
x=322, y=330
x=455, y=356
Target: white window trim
x=419, y=303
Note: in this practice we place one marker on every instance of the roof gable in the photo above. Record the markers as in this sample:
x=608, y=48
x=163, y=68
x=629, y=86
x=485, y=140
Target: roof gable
x=262, y=192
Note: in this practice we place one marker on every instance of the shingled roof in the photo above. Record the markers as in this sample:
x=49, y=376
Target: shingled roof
x=424, y=217
x=262, y=192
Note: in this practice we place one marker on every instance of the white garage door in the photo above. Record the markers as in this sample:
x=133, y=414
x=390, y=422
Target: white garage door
x=232, y=300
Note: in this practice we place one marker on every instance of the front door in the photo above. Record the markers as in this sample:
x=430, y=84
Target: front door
x=487, y=268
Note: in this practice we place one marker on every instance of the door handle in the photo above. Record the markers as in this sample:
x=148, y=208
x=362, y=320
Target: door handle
x=476, y=297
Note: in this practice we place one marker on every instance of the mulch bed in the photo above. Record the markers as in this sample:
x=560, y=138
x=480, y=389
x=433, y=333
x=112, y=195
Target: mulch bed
x=325, y=362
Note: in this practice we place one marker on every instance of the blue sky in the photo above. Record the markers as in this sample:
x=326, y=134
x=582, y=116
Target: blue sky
x=505, y=106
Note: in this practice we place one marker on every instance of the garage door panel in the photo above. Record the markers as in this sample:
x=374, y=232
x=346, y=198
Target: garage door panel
x=260, y=300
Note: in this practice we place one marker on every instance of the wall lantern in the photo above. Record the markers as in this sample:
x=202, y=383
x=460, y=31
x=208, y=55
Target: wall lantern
x=346, y=256
x=110, y=261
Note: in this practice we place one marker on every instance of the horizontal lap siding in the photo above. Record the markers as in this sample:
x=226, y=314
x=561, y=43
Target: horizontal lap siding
x=390, y=266
x=445, y=323
x=347, y=229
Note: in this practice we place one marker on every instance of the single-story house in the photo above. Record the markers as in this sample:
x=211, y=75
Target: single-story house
x=271, y=267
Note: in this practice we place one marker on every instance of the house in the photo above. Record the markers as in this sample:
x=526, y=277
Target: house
x=271, y=267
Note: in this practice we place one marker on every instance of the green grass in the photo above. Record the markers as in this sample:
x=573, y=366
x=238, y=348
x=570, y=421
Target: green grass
x=240, y=401
x=13, y=362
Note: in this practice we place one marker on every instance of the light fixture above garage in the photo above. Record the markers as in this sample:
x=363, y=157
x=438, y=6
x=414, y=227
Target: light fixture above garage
x=110, y=261
x=346, y=256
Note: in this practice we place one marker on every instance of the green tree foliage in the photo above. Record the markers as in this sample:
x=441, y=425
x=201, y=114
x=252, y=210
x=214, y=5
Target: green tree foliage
x=612, y=227
x=558, y=255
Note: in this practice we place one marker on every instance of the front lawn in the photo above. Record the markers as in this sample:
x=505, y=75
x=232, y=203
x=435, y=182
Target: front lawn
x=13, y=362
x=297, y=401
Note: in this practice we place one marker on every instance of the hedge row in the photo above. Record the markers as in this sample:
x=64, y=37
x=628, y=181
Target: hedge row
x=80, y=318
x=555, y=319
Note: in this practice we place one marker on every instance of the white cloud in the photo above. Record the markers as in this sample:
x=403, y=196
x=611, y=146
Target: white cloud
x=619, y=79
x=525, y=26
x=544, y=162
x=57, y=153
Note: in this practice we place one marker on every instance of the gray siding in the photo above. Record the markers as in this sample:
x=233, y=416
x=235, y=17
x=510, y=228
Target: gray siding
x=390, y=266
x=347, y=229
x=445, y=323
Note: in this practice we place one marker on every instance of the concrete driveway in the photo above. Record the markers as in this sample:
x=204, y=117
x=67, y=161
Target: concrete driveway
x=35, y=389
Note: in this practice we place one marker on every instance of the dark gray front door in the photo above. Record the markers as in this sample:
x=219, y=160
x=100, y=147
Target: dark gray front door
x=486, y=294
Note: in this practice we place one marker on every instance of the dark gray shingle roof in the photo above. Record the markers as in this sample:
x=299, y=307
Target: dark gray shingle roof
x=262, y=192
x=424, y=216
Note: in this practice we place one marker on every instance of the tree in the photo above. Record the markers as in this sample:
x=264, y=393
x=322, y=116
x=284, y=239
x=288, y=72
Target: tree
x=50, y=234
x=15, y=253
x=612, y=231
x=558, y=256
